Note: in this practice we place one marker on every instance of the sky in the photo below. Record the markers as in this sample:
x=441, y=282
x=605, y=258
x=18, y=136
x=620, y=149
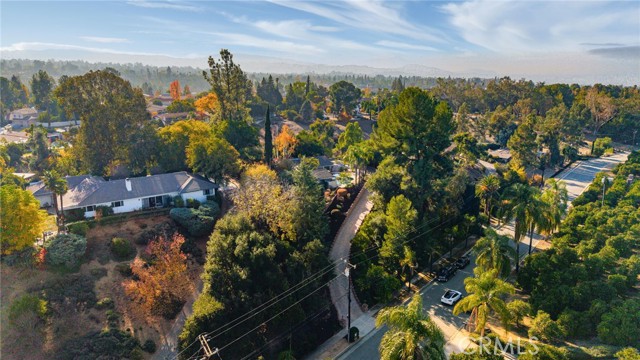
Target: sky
x=534, y=39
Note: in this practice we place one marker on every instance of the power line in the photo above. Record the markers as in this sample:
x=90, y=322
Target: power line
x=309, y=280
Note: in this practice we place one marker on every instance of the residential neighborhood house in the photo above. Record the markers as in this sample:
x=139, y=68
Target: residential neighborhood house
x=88, y=192
x=23, y=118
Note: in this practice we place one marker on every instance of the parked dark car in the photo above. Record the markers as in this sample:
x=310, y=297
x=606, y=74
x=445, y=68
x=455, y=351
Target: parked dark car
x=447, y=273
x=462, y=262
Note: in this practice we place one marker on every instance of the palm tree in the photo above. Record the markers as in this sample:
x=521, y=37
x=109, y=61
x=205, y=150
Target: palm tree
x=522, y=204
x=58, y=186
x=412, y=334
x=555, y=197
x=486, y=292
x=493, y=252
x=486, y=189
x=408, y=261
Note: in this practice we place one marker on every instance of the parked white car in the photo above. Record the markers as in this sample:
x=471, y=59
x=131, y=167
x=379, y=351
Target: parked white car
x=451, y=297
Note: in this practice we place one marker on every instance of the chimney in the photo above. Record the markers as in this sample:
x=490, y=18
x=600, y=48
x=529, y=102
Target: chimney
x=127, y=183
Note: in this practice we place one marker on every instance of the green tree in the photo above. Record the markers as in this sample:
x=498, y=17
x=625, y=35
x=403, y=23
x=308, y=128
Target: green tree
x=175, y=139
x=306, y=112
x=628, y=354
x=358, y=156
x=518, y=310
x=401, y=217
x=555, y=197
x=22, y=219
x=39, y=145
x=522, y=204
x=493, y=252
x=213, y=157
x=544, y=328
x=42, y=85
x=58, y=186
x=110, y=110
x=145, y=150
x=523, y=144
x=416, y=131
x=466, y=148
x=344, y=96
x=411, y=335
x=621, y=326
x=486, y=292
x=229, y=83
x=351, y=136
x=487, y=189
x=268, y=139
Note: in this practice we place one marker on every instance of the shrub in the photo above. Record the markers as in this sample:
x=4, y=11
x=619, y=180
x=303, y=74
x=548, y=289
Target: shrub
x=79, y=228
x=149, y=346
x=109, y=344
x=210, y=208
x=628, y=354
x=621, y=326
x=74, y=215
x=178, y=202
x=104, y=211
x=98, y=273
x=106, y=303
x=193, y=220
x=601, y=145
x=65, y=250
x=122, y=249
x=193, y=203
x=27, y=305
x=73, y=289
x=124, y=269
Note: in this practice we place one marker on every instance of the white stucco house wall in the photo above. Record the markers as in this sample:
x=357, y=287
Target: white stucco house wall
x=126, y=195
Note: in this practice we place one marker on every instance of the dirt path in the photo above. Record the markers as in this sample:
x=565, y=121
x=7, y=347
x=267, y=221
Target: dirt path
x=340, y=250
x=168, y=348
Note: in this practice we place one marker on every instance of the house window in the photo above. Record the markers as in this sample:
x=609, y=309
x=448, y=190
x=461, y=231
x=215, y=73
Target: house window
x=117, y=204
x=207, y=192
x=90, y=208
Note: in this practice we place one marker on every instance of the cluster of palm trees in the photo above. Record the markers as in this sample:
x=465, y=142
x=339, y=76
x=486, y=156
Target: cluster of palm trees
x=413, y=335
x=57, y=184
x=529, y=207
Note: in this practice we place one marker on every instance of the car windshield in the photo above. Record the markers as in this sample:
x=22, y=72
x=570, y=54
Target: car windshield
x=449, y=294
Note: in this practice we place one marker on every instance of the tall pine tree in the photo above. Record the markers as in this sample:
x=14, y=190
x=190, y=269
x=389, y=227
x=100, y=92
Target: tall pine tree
x=268, y=139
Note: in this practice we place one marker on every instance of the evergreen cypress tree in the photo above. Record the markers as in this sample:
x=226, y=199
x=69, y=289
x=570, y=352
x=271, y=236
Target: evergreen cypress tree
x=268, y=141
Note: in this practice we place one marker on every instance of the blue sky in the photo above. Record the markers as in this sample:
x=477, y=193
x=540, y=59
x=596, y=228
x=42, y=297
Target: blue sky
x=455, y=34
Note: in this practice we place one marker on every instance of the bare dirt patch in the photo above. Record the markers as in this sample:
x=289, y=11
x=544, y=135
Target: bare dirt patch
x=69, y=320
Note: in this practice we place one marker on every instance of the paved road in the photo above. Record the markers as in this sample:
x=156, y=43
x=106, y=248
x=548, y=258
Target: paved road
x=440, y=313
x=340, y=250
x=577, y=177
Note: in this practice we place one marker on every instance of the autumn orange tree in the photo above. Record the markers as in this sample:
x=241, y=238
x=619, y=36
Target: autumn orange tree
x=285, y=142
x=207, y=104
x=174, y=90
x=161, y=284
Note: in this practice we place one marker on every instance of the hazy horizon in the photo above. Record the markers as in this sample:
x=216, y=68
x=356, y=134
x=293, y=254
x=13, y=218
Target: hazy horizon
x=551, y=41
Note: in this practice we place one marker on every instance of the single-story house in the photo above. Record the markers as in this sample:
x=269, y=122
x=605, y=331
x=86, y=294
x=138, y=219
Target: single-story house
x=156, y=109
x=88, y=192
x=169, y=118
x=502, y=155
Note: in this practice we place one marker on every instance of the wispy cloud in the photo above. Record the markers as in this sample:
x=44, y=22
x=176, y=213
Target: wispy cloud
x=41, y=46
x=173, y=5
x=542, y=26
x=262, y=43
x=371, y=15
x=104, y=40
x=404, y=46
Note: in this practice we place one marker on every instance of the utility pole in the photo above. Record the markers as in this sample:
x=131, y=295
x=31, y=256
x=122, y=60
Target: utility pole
x=208, y=352
x=347, y=273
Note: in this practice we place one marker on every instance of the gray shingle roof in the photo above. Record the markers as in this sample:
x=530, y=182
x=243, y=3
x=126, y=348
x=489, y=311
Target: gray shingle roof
x=93, y=190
